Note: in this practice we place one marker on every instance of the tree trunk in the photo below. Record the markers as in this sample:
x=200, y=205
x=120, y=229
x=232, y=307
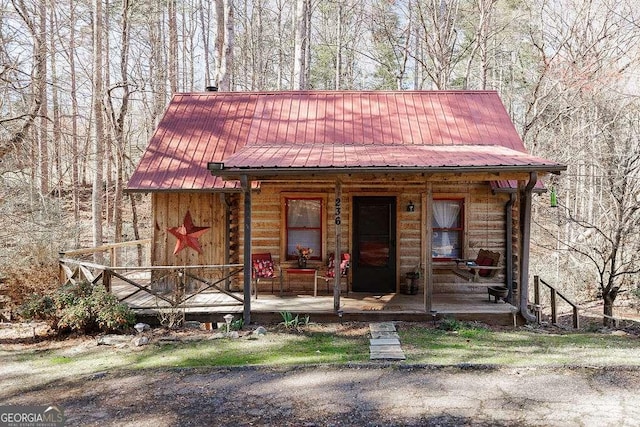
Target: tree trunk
x=108, y=131
x=300, y=45
x=173, y=46
x=41, y=84
x=98, y=137
x=75, y=175
x=205, y=20
x=607, y=320
x=55, y=103
x=224, y=43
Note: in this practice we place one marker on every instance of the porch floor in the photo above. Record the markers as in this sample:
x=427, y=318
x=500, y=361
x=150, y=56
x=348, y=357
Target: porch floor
x=211, y=306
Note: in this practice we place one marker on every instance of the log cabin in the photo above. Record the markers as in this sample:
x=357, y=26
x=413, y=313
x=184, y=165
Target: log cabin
x=408, y=183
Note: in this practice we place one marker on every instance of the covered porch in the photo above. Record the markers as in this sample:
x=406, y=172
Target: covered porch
x=203, y=294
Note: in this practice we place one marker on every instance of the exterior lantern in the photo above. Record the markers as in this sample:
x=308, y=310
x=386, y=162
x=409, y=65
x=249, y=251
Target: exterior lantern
x=411, y=207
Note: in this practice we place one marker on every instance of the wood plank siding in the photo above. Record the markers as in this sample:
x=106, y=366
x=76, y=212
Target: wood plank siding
x=207, y=210
x=484, y=225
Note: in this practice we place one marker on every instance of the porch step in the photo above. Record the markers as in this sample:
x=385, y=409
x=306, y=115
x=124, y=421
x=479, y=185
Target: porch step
x=385, y=342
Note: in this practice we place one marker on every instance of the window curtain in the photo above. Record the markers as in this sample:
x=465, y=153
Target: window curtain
x=445, y=215
x=304, y=225
x=303, y=213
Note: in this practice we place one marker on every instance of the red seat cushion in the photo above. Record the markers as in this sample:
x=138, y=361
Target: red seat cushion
x=262, y=268
x=488, y=262
x=344, y=264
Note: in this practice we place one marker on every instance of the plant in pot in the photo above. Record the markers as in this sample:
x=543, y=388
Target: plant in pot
x=303, y=255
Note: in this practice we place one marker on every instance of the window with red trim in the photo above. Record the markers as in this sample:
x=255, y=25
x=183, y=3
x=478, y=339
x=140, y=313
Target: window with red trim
x=304, y=226
x=448, y=228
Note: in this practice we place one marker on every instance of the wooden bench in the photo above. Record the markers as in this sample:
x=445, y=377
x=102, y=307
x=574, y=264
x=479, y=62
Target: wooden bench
x=483, y=268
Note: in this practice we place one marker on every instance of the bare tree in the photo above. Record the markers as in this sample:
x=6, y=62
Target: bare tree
x=301, y=43
x=224, y=43
x=98, y=129
x=607, y=234
x=120, y=92
x=204, y=14
x=26, y=118
x=172, y=59
x=438, y=19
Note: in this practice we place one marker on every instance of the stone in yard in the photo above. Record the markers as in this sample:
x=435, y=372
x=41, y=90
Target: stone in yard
x=141, y=327
x=115, y=340
x=140, y=341
x=260, y=330
x=382, y=327
x=192, y=324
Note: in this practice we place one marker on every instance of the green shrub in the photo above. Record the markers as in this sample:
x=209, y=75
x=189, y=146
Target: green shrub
x=237, y=324
x=38, y=307
x=79, y=307
x=291, y=322
x=450, y=324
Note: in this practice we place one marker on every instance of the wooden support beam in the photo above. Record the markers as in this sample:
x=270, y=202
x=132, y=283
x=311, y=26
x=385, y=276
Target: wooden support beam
x=427, y=221
x=246, y=187
x=338, y=250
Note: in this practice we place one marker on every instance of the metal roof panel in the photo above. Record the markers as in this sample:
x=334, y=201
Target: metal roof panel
x=208, y=127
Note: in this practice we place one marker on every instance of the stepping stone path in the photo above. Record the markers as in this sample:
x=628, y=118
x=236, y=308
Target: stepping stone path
x=385, y=342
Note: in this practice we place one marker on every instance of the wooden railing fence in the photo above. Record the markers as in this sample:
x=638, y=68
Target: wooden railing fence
x=128, y=274
x=554, y=294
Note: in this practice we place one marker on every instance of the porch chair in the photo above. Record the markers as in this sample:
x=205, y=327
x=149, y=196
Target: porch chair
x=329, y=273
x=263, y=268
x=483, y=267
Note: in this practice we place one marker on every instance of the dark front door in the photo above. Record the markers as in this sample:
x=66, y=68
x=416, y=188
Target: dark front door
x=374, y=244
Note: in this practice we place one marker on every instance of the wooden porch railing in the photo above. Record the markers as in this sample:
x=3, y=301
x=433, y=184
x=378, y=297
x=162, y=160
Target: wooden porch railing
x=134, y=252
x=554, y=293
x=169, y=286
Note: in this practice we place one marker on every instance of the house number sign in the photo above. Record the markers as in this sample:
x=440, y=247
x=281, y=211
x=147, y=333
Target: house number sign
x=338, y=210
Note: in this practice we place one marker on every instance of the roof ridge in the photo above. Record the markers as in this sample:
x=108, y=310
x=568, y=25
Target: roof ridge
x=346, y=91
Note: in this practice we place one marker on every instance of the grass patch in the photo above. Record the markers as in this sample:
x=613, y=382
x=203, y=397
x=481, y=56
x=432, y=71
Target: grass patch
x=458, y=343
x=470, y=343
x=60, y=360
x=273, y=349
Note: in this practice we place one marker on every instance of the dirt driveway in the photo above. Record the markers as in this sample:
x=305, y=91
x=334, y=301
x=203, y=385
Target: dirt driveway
x=362, y=395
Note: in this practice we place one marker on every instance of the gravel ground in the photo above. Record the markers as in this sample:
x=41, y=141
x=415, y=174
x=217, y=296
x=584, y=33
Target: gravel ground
x=364, y=395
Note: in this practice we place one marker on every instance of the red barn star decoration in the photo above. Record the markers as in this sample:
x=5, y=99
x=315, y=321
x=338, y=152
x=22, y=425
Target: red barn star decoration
x=187, y=234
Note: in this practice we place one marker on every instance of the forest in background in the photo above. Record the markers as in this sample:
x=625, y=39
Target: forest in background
x=84, y=83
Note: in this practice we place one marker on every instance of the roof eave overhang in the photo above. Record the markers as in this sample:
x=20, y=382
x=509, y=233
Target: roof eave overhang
x=182, y=190
x=264, y=173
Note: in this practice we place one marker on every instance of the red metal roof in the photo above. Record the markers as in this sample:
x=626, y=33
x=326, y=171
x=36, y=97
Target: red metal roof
x=511, y=186
x=297, y=156
x=325, y=129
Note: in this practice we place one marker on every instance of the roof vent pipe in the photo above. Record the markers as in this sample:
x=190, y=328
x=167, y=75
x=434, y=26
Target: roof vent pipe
x=211, y=88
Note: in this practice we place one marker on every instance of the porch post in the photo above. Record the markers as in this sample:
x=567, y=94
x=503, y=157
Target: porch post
x=246, y=187
x=337, y=254
x=426, y=254
x=227, y=238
